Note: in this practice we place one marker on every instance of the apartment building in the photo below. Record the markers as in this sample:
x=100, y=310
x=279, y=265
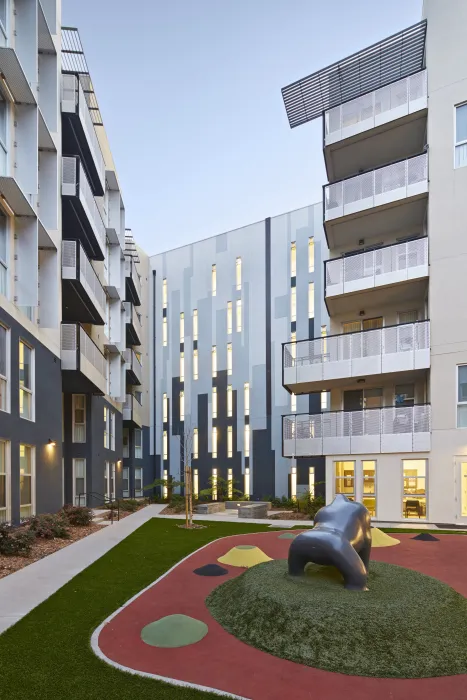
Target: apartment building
x=394, y=212
x=220, y=310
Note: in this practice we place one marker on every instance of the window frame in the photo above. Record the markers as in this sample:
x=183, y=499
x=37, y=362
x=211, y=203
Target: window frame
x=214, y=361
x=195, y=443
x=229, y=401
x=138, y=449
x=164, y=293
x=238, y=314
x=335, y=479
x=229, y=441
x=126, y=492
x=246, y=440
x=214, y=402
x=214, y=442
x=139, y=476
x=415, y=496
x=75, y=424
x=165, y=408
x=182, y=406
x=293, y=304
x=372, y=494
x=164, y=332
x=195, y=324
x=293, y=258
x=5, y=511
x=106, y=428
x=458, y=402
x=459, y=144
x=229, y=359
x=311, y=254
x=182, y=366
x=182, y=327
x=112, y=431
x=6, y=378
x=165, y=446
x=76, y=495
x=32, y=475
x=30, y=391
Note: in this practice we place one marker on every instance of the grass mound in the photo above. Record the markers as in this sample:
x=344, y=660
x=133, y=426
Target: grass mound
x=407, y=625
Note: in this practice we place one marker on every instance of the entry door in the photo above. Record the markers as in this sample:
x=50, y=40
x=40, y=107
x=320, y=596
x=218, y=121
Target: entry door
x=462, y=489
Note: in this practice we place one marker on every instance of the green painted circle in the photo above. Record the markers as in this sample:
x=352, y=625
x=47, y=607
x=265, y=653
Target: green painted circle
x=174, y=631
x=287, y=536
x=407, y=625
x=245, y=546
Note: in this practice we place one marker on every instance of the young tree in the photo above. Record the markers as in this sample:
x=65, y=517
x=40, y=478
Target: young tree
x=186, y=450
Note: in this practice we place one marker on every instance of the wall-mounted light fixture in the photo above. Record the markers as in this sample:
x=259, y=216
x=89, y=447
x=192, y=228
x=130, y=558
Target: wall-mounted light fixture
x=51, y=443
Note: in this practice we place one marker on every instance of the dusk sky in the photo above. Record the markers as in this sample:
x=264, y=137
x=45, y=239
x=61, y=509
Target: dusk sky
x=190, y=94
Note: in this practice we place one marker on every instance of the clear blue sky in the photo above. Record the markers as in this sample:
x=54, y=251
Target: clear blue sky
x=190, y=94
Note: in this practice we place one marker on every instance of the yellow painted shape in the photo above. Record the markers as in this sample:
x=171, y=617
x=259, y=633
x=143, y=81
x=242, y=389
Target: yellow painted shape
x=382, y=539
x=245, y=558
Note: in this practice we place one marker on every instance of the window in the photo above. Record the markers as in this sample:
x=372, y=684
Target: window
x=246, y=481
x=246, y=399
x=182, y=366
x=213, y=280
x=79, y=418
x=293, y=347
x=311, y=254
x=311, y=481
x=195, y=364
x=369, y=486
x=195, y=324
x=79, y=482
x=368, y=324
x=4, y=367
x=345, y=479
x=214, y=442
x=246, y=447
x=182, y=405
x=229, y=441
x=138, y=434
x=112, y=430
x=293, y=403
x=214, y=361
x=5, y=494
x=165, y=454
x=3, y=246
x=293, y=260
x=408, y=316
x=229, y=401
x=214, y=402
x=324, y=333
x=229, y=483
x=460, y=157
x=26, y=481
x=214, y=484
x=164, y=331
x=404, y=395
x=414, y=499
x=165, y=490
x=324, y=400
x=351, y=327
x=239, y=315
x=229, y=358
x=109, y=481
x=126, y=482
x=195, y=483
x=238, y=273
x=293, y=304
x=164, y=293
x=126, y=442
x=229, y=318
x=462, y=396
x=293, y=482
x=164, y=408
x=195, y=443
x=182, y=327
x=106, y=427
x=139, y=482
x=26, y=407
x=311, y=300
x=4, y=109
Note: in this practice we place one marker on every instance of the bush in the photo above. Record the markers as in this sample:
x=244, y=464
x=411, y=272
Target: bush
x=130, y=505
x=177, y=502
x=15, y=542
x=49, y=526
x=77, y=515
x=284, y=502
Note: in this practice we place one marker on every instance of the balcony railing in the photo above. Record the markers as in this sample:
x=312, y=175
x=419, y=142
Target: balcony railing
x=398, y=348
x=373, y=430
x=75, y=184
x=376, y=108
x=132, y=274
x=132, y=409
x=406, y=178
x=79, y=352
x=87, y=275
x=133, y=364
x=376, y=268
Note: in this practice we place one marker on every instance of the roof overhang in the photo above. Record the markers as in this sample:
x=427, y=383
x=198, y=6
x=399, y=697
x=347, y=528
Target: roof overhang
x=13, y=74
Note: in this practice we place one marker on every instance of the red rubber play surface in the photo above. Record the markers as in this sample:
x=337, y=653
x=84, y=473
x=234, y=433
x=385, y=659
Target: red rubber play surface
x=222, y=662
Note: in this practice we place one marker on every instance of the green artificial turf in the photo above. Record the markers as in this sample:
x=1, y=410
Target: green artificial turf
x=47, y=655
x=407, y=625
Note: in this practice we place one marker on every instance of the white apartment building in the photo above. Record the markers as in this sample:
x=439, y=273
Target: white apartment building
x=395, y=217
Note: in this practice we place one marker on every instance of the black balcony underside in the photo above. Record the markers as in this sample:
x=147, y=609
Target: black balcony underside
x=75, y=382
x=75, y=143
x=131, y=292
x=132, y=378
x=77, y=305
x=132, y=337
x=76, y=225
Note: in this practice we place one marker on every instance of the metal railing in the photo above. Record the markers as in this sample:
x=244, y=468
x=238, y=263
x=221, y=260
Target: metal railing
x=88, y=276
x=131, y=271
x=133, y=363
x=91, y=352
x=373, y=268
x=71, y=166
x=378, y=107
x=111, y=504
x=131, y=315
x=376, y=187
x=74, y=341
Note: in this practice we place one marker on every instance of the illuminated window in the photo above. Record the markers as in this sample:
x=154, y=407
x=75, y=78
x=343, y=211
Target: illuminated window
x=229, y=318
x=414, y=499
x=311, y=254
x=27, y=487
x=311, y=300
x=246, y=398
x=164, y=293
x=324, y=333
x=195, y=443
x=293, y=482
x=246, y=446
x=293, y=304
x=344, y=473
x=293, y=403
x=182, y=405
x=195, y=364
x=106, y=428
x=369, y=486
x=214, y=484
x=195, y=483
x=311, y=481
x=246, y=479
x=182, y=327
x=213, y=280
x=229, y=400
x=293, y=347
x=229, y=441
x=214, y=402
x=214, y=442
x=214, y=361
x=229, y=483
x=293, y=260
x=182, y=366
x=165, y=453
x=229, y=358
x=26, y=373
x=238, y=273
x=324, y=400
x=164, y=331
x=164, y=408
x=165, y=489
x=239, y=315
x=195, y=324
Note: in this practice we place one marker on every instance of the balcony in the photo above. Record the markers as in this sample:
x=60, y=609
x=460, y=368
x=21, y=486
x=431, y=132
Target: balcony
x=133, y=282
x=84, y=299
x=132, y=411
x=133, y=324
x=368, y=431
x=78, y=133
x=392, y=273
x=378, y=202
x=134, y=371
x=84, y=367
x=81, y=218
x=325, y=363
x=382, y=126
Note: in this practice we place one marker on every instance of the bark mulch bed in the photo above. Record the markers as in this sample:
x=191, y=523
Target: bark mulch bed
x=289, y=515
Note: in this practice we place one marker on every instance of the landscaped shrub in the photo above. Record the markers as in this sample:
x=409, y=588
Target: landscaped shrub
x=77, y=515
x=284, y=502
x=177, y=502
x=130, y=505
x=15, y=542
x=49, y=526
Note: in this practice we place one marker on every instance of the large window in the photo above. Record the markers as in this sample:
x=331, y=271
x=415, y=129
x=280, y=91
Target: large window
x=138, y=433
x=214, y=402
x=3, y=249
x=246, y=399
x=238, y=274
x=214, y=442
x=229, y=441
x=311, y=481
x=26, y=481
x=214, y=361
x=112, y=430
x=460, y=155
x=165, y=453
x=293, y=403
x=462, y=396
x=229, y=358
x=195, y=443
x=126, y=442
x=195, y=364
x=229, y=401
x=164, y=408
x=293, y=304
x=5, y=494
x=344, y=473
x=246, y=446
x=126, y=482
x=79, y=418
x=164, y=331
x=79, y=482
x=109, y=481
x=182, y=366
x=414, y=498
x=229, y=483
x=4, y=367
x=214, y=484
x=139, y=482
x=106, y=428
x=182, y=405
x=195, y=324
x=164, y=293
x=369, y=486
x=293, y=260
x=26, y=378
x=229, y=318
